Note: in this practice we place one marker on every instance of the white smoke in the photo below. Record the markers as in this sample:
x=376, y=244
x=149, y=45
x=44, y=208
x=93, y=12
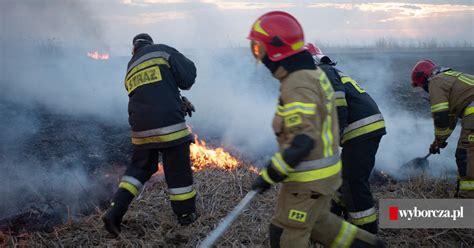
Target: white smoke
x=43, y=64
x=410, y=130
x=235, y=100
x=45, y=74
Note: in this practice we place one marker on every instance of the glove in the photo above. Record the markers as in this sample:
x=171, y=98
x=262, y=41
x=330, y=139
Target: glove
x=437, y=145
x=187, y=106
x=260, y=185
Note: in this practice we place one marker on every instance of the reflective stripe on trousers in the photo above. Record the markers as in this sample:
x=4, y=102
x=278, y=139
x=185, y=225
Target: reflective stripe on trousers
x=363, y=217
x=131, y=184
x=182, y=193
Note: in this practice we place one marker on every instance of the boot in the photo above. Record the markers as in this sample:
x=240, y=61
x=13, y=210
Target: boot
x=187, y=219
x=112, y=220
x=113, y=217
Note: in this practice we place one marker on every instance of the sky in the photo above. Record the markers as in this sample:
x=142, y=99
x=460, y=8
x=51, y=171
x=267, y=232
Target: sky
x=218, y=23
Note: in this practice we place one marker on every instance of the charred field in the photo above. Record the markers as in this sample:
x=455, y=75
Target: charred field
x=150, y=222
x=59, y=169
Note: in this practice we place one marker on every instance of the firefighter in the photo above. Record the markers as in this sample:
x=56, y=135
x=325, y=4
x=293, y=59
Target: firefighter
x=361, y=127
x=452, y=98
x=155, y=75
x=305, y=124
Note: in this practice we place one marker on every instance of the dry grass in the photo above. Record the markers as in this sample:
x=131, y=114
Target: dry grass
x=150, y=221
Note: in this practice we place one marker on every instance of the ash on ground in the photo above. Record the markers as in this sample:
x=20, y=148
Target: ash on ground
x=55, y=167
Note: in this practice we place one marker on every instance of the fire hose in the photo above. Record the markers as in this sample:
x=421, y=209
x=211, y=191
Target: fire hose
x=227, y=221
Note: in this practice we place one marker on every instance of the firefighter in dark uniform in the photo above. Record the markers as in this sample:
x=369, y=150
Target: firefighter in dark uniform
x=362, y=127
x=452, y=98
x=305, y=123
x=155, y=75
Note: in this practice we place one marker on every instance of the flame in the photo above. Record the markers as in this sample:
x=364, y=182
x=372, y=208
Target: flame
x=98, y=56
x=203, y=157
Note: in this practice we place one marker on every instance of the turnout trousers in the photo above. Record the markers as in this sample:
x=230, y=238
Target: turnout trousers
x=465, y=158
x=178, y=176
x=304, y=215
x=358, y=160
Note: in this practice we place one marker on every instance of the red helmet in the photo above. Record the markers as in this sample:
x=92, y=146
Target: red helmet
x=421, y=72
x=278, y=34
x=318, y=55
x=313, y=49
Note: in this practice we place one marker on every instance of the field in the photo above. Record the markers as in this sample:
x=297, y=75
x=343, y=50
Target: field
x=150, y=222
x=62, y=161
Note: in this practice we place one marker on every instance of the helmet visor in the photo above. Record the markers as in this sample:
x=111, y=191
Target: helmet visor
x=258, y=50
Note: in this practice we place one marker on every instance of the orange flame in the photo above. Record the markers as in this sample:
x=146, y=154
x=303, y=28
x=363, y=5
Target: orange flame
x=203, y=156
x=98, y=56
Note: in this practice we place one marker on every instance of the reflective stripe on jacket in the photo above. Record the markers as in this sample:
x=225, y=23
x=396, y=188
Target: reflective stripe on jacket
x=155, y=74
x=452, y=96
x=307, y=106
x=358, y=114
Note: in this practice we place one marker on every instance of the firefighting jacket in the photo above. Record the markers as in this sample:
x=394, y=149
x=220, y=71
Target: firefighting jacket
x=358, y=114
x=155, y=74
x=451, y=95
x=306, y=111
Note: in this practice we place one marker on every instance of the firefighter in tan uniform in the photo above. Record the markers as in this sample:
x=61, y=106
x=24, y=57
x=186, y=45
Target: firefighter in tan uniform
x=452, y=98
x=306, y=126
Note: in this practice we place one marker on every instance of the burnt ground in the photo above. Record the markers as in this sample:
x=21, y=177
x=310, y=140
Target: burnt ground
x=56, y=169
x=150, y=222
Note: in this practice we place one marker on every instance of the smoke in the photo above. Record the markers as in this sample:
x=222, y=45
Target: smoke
x=55, y=105
x=44, y=46
x=236, y=99
x=386, y=77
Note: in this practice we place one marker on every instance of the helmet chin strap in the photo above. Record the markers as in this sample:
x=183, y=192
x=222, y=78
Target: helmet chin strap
x=426, y=85
x=272, y=66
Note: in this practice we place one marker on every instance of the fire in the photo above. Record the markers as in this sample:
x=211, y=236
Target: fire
x=203, y=156
x=98, y=56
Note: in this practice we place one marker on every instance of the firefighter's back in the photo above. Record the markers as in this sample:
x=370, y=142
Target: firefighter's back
x=154, y=95
x=313, y=87
x=460, y=87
